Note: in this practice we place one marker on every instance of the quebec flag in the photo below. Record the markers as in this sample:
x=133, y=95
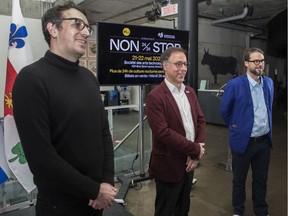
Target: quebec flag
x=19, y=55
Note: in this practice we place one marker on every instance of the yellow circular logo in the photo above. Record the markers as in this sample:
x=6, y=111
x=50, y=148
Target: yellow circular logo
x=126, y=31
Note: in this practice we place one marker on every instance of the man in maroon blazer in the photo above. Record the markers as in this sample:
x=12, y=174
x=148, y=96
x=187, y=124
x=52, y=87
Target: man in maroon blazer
x=178, y=127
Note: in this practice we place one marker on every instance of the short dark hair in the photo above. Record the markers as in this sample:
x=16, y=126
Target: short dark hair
x=167, y=53
x=54, y=15
x=247, y=52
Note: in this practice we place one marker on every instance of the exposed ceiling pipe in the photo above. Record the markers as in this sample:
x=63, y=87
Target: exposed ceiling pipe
x=244, y=28
x=226, y=22
x=246, y=12
x=60, y=2
x=238, y=26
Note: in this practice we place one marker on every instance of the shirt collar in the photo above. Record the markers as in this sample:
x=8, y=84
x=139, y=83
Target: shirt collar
x=173, y=88
x=253, y=83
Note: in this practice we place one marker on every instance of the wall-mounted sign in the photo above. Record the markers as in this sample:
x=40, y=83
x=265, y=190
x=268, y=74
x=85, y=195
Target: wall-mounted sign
x=169, y=10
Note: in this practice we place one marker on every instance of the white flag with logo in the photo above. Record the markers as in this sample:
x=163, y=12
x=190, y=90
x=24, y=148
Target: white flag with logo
x=19, y=55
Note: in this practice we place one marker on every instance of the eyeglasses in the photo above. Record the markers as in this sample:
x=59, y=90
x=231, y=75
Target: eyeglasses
x=257, y=61
x=180, y=64
x=80, y=24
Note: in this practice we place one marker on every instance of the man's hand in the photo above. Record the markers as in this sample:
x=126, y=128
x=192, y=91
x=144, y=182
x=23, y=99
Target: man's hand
x=105, y=197
x=202, y=150
x=190, y=164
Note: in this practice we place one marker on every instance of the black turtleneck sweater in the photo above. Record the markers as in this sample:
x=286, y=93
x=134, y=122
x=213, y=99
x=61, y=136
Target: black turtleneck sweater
x=63, y=128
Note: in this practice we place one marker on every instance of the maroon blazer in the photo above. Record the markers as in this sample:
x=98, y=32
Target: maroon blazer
x=170, y=146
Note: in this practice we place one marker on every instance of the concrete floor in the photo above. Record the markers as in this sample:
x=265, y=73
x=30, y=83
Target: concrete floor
x=211, y=195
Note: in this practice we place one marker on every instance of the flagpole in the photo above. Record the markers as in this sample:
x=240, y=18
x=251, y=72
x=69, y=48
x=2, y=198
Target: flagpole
x=4, y=195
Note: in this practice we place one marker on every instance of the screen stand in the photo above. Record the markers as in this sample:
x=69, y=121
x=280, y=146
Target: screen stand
x=126, y=183
x=226, y=165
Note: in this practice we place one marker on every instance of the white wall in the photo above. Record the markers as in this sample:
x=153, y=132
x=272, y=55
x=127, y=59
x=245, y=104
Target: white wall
x=38, y=44
x=221, y=42
x=273, y=64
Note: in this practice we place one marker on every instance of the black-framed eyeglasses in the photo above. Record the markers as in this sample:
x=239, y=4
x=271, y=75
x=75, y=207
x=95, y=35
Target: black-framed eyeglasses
x=257, y=61
x=79, y=24
x=180, y=64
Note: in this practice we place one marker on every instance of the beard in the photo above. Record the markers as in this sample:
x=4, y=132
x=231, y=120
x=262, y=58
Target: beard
x=258, y=72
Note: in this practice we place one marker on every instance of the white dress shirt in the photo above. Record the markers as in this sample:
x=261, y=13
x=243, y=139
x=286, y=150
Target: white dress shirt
x=184, y=108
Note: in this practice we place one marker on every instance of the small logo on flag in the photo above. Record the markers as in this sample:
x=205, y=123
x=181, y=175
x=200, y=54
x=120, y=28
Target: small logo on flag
x=18, y=151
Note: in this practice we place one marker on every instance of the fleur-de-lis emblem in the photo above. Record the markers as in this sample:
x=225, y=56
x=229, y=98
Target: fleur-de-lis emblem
x=8, y=101
x=17, y=35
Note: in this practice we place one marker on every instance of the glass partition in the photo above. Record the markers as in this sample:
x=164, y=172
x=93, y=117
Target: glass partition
x=126, y=141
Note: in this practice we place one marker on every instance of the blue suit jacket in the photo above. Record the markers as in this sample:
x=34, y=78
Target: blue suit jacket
x=237, y=110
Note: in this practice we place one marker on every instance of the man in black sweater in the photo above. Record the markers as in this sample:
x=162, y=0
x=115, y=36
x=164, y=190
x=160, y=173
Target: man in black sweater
x=62, y=123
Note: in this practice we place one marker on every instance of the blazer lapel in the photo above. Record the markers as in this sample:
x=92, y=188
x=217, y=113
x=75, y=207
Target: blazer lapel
x=246, y=87
x=190, y=99
x=266, y=92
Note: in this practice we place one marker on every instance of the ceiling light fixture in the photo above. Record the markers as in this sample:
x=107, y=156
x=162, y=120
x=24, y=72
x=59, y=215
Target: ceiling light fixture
x=154, y=13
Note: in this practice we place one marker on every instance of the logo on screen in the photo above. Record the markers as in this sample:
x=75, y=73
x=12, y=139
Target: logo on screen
x=126, y=31
x=167, y=36
x=160, y=34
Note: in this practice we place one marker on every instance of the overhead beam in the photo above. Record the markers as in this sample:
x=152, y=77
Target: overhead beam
x=84, y=2
x=60, y=2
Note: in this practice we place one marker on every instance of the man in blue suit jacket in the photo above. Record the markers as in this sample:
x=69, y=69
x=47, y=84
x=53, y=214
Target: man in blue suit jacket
x=178, y=129
x=246, y=108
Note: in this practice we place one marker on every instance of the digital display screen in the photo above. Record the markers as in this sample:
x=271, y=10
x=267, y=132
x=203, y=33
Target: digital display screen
x=130, y=55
